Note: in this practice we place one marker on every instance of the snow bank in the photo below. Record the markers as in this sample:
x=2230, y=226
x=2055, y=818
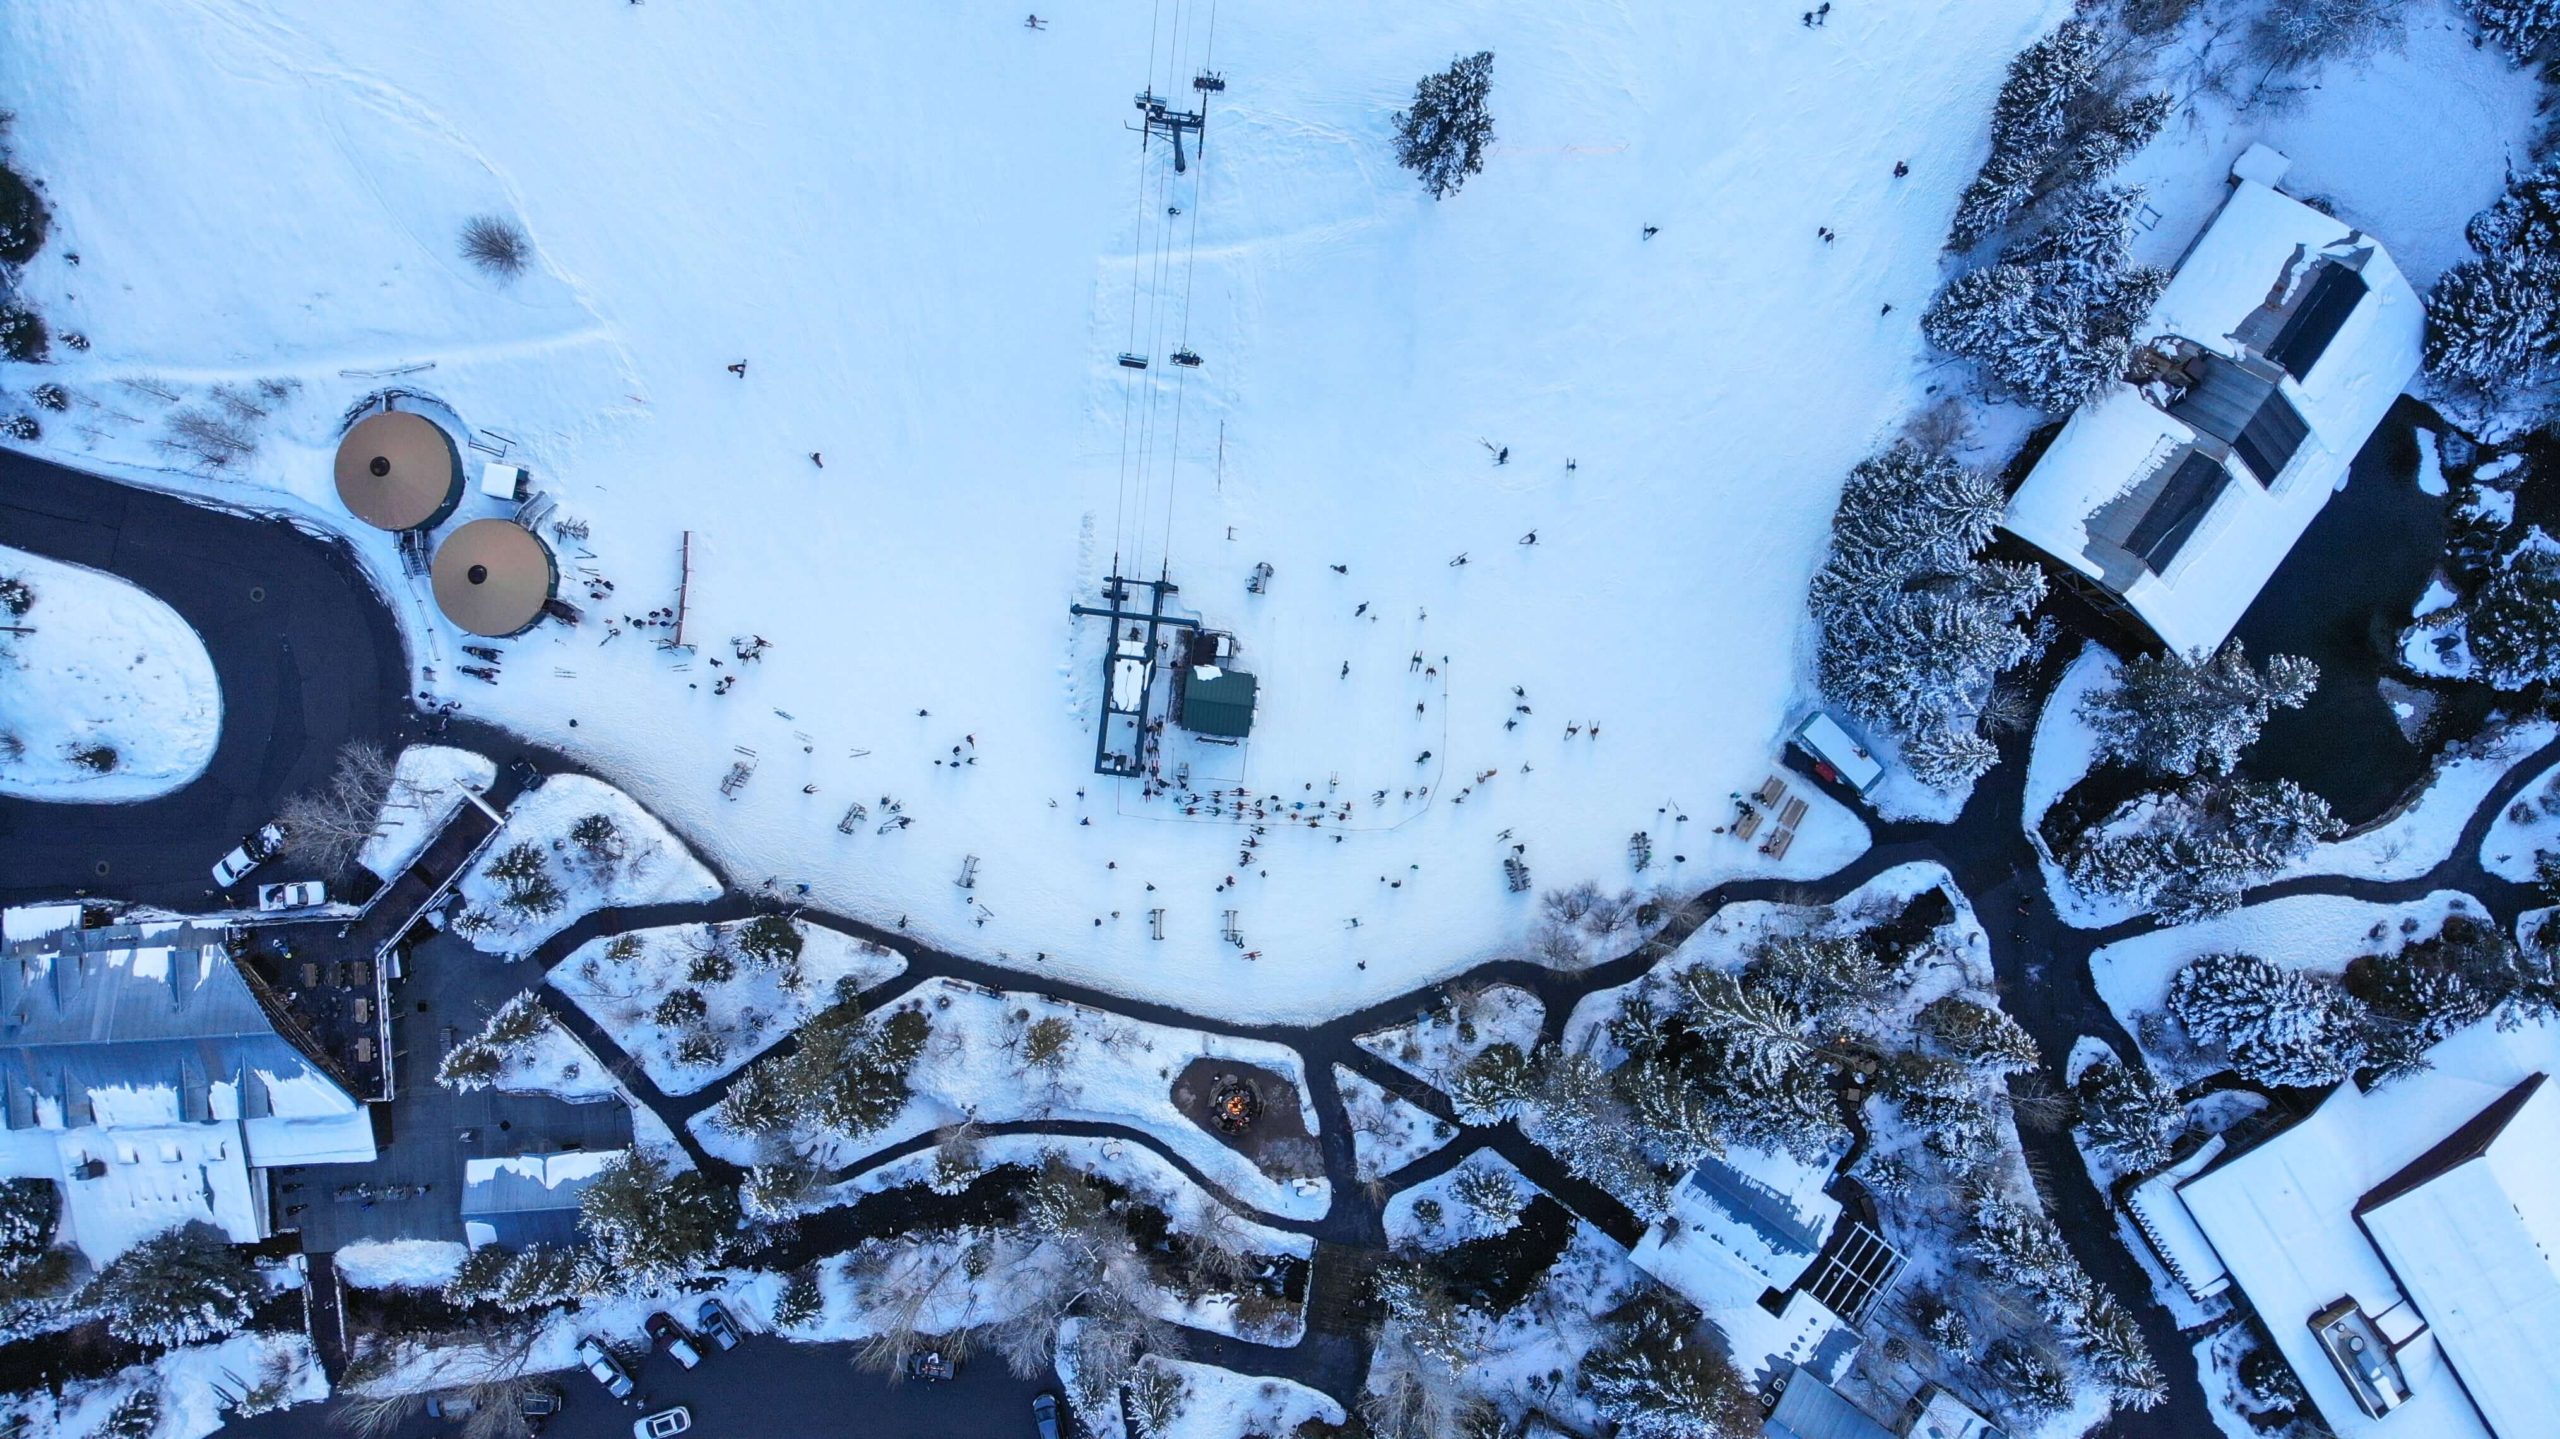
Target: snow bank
x=2065, y=747
x=1386, y=1133
x=652, y=867
x=1222, y=1404
x=199, y=1388
x=2527, y=828
x=1435, y=1044
x=1116, y=1070
x=2422, y=833
x=2310, y=932
x=106, y=665
x=400, y=1263
x=427, y=786
x=748, y=1012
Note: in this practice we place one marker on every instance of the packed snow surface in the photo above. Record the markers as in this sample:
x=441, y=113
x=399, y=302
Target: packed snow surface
x=1387, y=1134
x=427, y=785
x=101, y=665
x=929, y=296
x=644, y=865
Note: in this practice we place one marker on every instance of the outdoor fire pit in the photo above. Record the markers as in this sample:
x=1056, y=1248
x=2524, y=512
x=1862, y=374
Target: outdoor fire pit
x=1234, y=1105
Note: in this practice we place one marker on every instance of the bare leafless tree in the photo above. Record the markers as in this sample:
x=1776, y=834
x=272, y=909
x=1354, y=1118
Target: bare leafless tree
x=497, y=245
x=212, y=439
x=327, y=827
x=901, y=1288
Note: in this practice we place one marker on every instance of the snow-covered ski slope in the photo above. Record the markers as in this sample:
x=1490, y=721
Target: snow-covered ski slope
x=927, y=230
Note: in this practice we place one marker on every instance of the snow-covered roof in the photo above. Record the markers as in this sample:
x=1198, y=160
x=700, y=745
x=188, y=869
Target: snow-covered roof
x=2158, y=499
x=1811, y=1409
x=2473, y=1237
x=1830, y=741
x=2172, y=1231
x=528, y=1198
x=2283, y=1217
x=1765, y=1209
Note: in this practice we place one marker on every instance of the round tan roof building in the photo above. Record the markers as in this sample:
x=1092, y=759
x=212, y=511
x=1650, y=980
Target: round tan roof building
x=492, y=577
x=399, y=471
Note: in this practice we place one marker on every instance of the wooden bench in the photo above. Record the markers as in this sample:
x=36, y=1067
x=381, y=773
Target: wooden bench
x=1778, y=844
x=1748, y=825
x=1770, y=791
x=1792, y=813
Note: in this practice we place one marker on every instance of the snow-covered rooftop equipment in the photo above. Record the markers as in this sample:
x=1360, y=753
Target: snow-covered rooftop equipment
x=1829, y=741
x=1811, y=1409
x=492, y=577
x=500, y=481
x=2262, y=163
x=2173, y=494
x=399, y=471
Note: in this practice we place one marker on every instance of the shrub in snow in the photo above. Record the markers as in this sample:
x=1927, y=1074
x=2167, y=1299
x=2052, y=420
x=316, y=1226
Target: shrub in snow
x=2127, y=1113
x=52, y=397
x=2192, y=852
x=96, y=758
x=680, y=1007
x=624, y=948
x=2276, y=1025
x=24, y=220
x=2269, y=1380
x=2033, y=1380
x=2296, y=34
x=2493, y=326
x=16, y=596
x=770, y=939
x=1049, y=1043
x=598, y=839
x=2522, y=28
x=2514, y=621
x=1914, y=629
x=183, y=1286
x=21, y=427
x=2172, y=714
x=23, y=336
x=2431, y=988
x=524, y=872
x=711, y=963
x=1941, y=1323
x=136, y=1416
x=1658, y=1376
x=496, y=245
x=1442, y=137
x=656, y=1228
x=1485, y=1088
x=1154, y=1400
x=802, y=1301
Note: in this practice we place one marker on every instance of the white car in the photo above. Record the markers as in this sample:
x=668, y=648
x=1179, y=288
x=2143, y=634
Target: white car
x=607, y=1370
x=664, y=1423
x=300, y=894
x=256, y=850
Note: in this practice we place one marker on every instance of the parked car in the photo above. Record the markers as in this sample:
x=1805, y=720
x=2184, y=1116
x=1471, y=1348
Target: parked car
x=1044, y=1413
x=607, y=1369
x=671, y=1336
x=540, y=1402
x=300, y=894
x=714, y=1322
x=528, y=778
x=254, y=851
x=662, y=1424
x=451, y=1406
x=932, y=1368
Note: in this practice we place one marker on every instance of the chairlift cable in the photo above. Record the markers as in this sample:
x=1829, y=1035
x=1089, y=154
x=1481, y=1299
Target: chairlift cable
x=1190, y=269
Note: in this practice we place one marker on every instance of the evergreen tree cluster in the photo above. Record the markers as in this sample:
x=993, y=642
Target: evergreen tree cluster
x=525, y=882
x=536, y=1277
x=2308, y=1027
x=844, y=1075
x=2522, y=28
x=2053, y=320
x=477, y=1062
x=2493, y=321
x=2191, y=852
x=1659, y=1374
x=1443, y=135
x=1915, y=626
x=29, y=1210
x=2016, y=1245
x=2513, y=621
x=2179, y=715
x=183, y=1286
x=2057, y=122
x=654, y=1227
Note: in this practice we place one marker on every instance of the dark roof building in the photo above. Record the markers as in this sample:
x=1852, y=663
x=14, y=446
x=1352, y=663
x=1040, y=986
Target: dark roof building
x=1215, y=702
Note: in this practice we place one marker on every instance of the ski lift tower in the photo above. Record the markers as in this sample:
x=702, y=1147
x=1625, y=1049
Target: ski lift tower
x=1158, y=117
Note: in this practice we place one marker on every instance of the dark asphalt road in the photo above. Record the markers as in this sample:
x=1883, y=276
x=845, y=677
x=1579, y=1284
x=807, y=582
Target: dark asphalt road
x=309, y=658
x=764, y=1389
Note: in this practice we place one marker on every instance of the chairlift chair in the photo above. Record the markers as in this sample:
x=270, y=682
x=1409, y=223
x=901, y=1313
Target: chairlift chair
x=1132, y=362
x=1188, y=359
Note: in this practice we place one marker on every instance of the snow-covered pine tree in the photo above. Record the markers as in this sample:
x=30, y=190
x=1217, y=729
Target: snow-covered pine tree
x=29, y=1209
x=1760, y=1034
x=656, y=1227
x=2108, y=1336
x=2193, y=853
x=2277, y=1025
x=2173, y=714
x=1443, y=136
x=2085, y=240
x=2118, y=132
x=1948, y=755
x=2016, y=1244
x=1488, y=1087
x=2526, y=219
x=1824, y=975
x=803, y=1298
x=2514, y=621
x=2126, y=1113
x=2493, y=325
x=2030, y=124
x=2522, y=28
x=770, y=939
x=1979, y=310
x=1983, y=1039
x=2035, y=1384
x=1660, y=1375
x=181, y=1286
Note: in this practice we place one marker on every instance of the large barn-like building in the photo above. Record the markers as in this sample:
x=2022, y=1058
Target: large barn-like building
x=2171, y=497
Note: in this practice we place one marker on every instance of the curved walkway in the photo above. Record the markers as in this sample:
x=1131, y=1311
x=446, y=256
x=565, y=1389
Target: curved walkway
x=308, y=656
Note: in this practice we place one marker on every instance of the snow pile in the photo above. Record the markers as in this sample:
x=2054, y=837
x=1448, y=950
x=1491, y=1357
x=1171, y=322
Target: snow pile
x=2306, y=932
x=427, y=785
x=199, y=1388
x=1112, y=1070
x=1435, y=1044
x=1222, y=1404
x=2422, y=832
x=2527, y=829
x=2065, y=746
x=634, y=860
x=1386, y=1133
x=106, y=671
x=748, y=1003
x=400, y=1263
